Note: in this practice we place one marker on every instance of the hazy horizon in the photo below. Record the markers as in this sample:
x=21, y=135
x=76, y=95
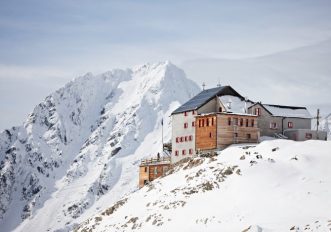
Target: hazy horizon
x=45, y=44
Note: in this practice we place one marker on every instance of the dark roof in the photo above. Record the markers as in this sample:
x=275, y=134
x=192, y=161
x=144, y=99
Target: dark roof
x=205, y=96
x=289, y=111
x=285, y=111
x=288, y=107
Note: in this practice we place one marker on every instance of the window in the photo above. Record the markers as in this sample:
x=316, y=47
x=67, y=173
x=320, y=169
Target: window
x=220, y=109
x=190, y=151
x=252, y=123
x=236, y=135
x=210, y=135
x=185, y=125
x=155, y=170
x=246, y=122
x=241, y=122
x=202, y=122
x=257, y=111
x=177, y=140
x=199, y=122
x=165, y=169
x=186, y=138
x=183, y=152
x=309, y=136
x=290, y=124
x=190, y=138
x=193, y=124
x=212, y=121
x=181, y=139
x=229, y=121
x=145, y=169
x=273, y=125
x=193, y=112
x=176, y=153
x=207, y=121
x=236, y=121
x=185, y=113
x=248, y=136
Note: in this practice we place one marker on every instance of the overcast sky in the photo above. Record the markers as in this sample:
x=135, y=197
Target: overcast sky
x=43, y=44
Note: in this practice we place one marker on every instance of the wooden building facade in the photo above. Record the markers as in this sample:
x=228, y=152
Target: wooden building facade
x=151, y=169
x=218, y=130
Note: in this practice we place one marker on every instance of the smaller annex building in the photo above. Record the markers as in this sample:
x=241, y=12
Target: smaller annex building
x=150, y=169
x=290, y=122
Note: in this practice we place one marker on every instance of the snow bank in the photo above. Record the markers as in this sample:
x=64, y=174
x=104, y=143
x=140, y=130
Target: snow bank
x=278, y=185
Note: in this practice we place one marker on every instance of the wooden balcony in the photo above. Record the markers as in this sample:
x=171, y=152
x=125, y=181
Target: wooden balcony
x=156, y=161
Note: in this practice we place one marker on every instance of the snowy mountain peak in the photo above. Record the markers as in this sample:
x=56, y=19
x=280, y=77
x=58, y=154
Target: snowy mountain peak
x=80, y=147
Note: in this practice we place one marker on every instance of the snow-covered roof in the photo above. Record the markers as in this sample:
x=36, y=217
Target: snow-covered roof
x=205, y=96
x=234, y=104
x=288, y=111
x=226, y=113
x=239, y=114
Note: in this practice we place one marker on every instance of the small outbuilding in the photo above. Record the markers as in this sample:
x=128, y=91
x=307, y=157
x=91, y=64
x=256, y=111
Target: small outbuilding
x=305, y=134
x=150, y=169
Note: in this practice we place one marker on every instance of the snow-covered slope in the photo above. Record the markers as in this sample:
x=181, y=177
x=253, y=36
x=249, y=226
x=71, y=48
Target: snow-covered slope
x=79, y=149
x=278, y=185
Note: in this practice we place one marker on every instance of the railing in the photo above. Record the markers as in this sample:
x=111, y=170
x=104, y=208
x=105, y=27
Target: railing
x=163, y=159
x=280, y=136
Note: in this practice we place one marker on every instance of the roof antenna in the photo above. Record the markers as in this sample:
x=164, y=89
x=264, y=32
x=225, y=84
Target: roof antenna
x=246, y=110
x=219, y=83
x=203, y=86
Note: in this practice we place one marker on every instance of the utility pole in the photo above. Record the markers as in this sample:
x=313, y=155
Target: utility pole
x=317, y=122
x=203, y=86
x=162, y=135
